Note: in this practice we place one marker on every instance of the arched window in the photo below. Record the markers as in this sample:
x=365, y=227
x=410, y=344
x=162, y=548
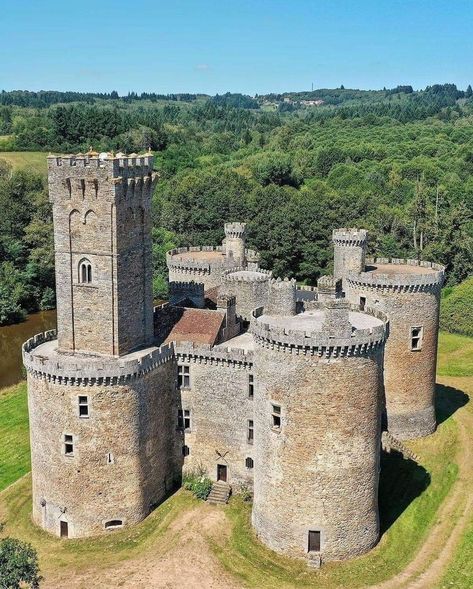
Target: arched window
x=249, y=462
x=85, y=272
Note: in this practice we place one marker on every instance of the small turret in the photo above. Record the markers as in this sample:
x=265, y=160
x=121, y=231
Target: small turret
x=234, y=243
x=336, y=321
x=281, y=297
x=349, y=251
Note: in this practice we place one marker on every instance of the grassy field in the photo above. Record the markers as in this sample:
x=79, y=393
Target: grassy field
x=14, y=440
x=455, y=355
x=410, y=496
x=34, y=160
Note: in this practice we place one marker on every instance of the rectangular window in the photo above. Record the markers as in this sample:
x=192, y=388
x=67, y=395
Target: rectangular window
x=183, y=376
x=362, y=303
x=314, y=541
x=276, y=416
x=251, y=386
x=184, y=419
x=68, y=445
x=417, y=334
x=250, y=436
x=185, y=450
x=83, y=406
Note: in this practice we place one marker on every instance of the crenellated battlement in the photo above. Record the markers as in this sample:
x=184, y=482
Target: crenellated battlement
x=101, y=177
x=206, y=354
x=235, y=230
x=242, y=274
x=76, y=370
x=350, y=237
x=408, y=281
x=320, y=343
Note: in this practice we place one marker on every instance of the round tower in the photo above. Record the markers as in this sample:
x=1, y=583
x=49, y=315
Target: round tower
x=408, y=292
x=100, y=395
x=318, y=398
x=281, y=297
x=349, y=251
x=235, y=242
x=250, y=287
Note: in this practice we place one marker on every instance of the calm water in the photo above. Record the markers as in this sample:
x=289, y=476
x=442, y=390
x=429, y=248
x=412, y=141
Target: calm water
x=11, y=339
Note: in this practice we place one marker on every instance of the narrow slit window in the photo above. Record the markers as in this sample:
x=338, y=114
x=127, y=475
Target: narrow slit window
x=249, y=463
x=251, y=386
x=250, y=435
x=417, y=334
x=68, y=445
x=83, y=406
x=184, y=419
x=184, y=376
x=362, y=303
x=276, y=416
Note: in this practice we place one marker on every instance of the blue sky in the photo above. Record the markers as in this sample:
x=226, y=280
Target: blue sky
x=255, y=46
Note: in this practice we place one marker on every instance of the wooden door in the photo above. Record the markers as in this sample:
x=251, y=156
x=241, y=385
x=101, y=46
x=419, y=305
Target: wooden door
x=64, y=530
x=221, y=472
x=314, y=541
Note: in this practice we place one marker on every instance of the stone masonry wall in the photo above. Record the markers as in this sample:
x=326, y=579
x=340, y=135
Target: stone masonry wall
x=320, y=470
x=101, y=211
x=220, y=408
x=124, y=457
x=409, y=376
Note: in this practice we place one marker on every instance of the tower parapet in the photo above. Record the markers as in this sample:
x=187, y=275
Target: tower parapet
x=193, y=291
x=349, y=251
x=328, y=288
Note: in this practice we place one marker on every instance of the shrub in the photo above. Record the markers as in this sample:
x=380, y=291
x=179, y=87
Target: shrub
x=456, y=311
x=18, y=565
x=198, y=483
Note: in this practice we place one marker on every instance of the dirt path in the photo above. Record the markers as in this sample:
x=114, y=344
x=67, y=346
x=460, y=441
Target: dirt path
x=182, y=559
x=428, y=566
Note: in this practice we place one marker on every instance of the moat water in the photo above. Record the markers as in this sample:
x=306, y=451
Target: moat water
x=11, y=340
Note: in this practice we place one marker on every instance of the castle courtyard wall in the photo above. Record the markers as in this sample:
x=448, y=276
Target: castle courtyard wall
x=218, y=398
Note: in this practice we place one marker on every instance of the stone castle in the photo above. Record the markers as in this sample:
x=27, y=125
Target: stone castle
x=256, y=381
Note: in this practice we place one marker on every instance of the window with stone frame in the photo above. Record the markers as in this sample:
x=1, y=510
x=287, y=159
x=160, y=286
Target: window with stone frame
x=83, y=406
x=251, y=386
x=183, y=376
x=85, y=271
x=276, y=416
x=184, y=419
x=249, y=462
x=250, y=434
x=417, y=334
x=68, y=445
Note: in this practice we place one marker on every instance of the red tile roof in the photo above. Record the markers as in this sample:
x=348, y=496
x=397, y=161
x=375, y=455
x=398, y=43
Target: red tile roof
x=197, y=325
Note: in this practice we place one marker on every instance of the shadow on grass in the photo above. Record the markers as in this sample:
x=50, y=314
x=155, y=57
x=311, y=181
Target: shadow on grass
x=447, y=401
x=401, y=481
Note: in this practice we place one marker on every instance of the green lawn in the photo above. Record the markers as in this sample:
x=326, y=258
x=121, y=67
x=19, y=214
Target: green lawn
x=33, y=160
x=455, y=355
x=14, y=438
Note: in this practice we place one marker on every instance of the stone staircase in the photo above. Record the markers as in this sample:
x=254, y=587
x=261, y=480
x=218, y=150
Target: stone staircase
x=219, y=493
x=389, y=442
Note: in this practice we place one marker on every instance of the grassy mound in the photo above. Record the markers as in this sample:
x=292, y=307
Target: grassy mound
x=456, y=311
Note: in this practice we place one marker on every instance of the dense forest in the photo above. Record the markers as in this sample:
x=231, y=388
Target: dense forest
x=396, y=161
